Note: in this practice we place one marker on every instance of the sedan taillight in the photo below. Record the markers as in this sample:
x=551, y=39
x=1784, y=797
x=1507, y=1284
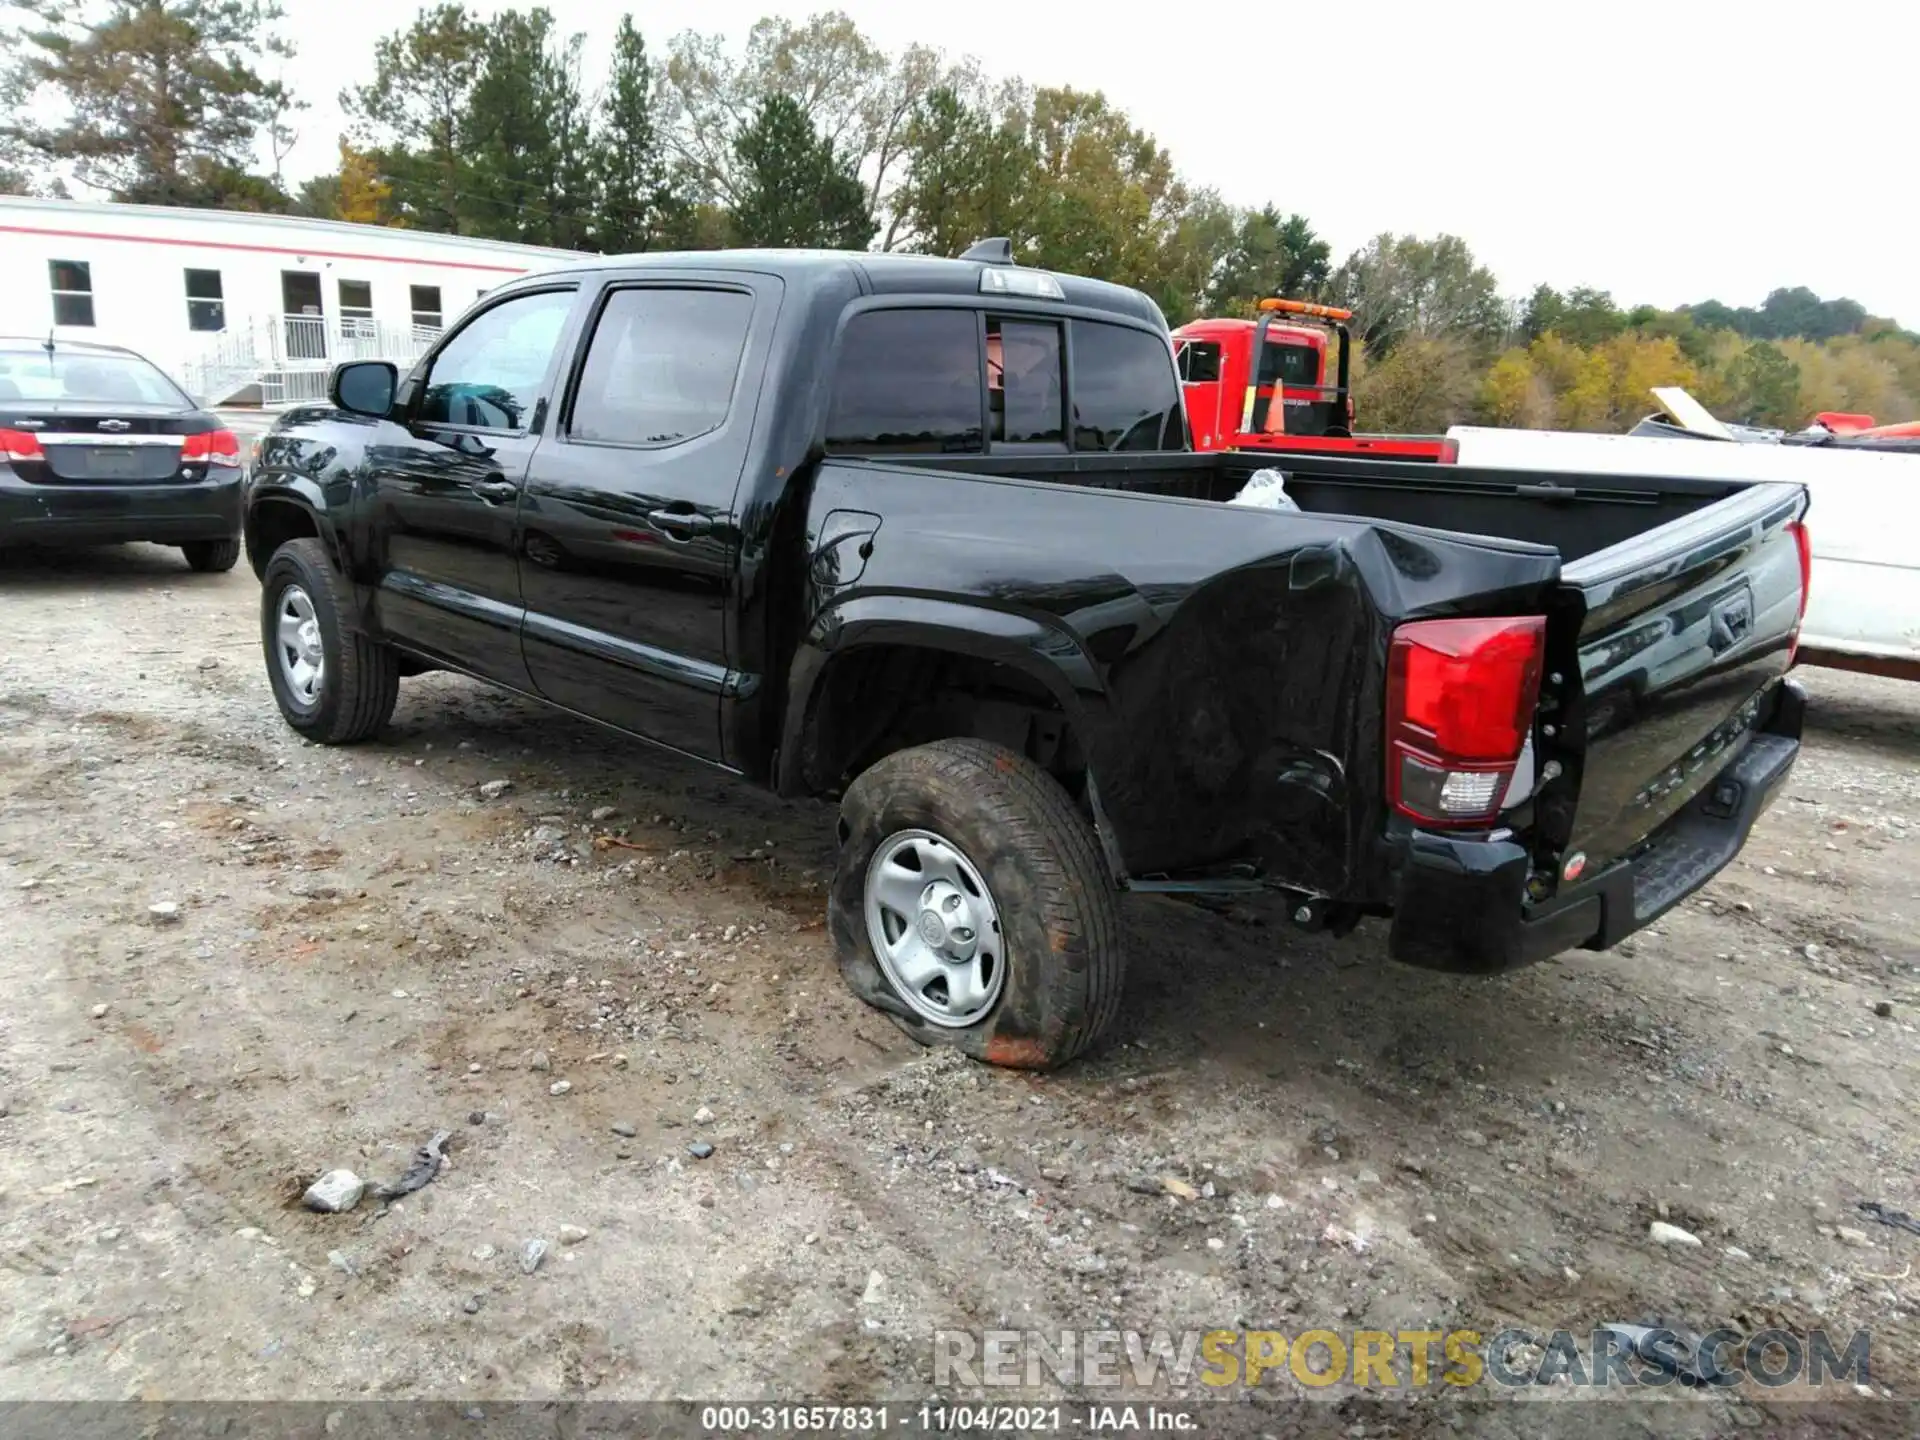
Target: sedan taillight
x=211, y=447
x=18, y=445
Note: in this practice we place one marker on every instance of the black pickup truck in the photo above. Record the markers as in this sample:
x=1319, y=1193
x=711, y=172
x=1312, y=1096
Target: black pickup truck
x=925, y=535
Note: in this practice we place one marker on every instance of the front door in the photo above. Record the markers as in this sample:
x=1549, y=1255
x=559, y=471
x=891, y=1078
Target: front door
x=446, y=479
x=628, y=537
x=306, y=320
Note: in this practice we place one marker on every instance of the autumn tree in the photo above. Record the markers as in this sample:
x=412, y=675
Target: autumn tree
x=1425, y=384
x=1400, y=286
x=792, y=188
x=1765, y=386
x=154, y=101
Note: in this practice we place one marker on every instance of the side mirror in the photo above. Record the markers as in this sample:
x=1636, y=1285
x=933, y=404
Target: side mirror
x=364, y=387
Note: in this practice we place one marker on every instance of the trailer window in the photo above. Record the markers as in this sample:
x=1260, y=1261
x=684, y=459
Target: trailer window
x=908, y=383
x=1290, y=365
x=1023, y=382
x=72, y=291
x=206, y=302
x=1125, y=393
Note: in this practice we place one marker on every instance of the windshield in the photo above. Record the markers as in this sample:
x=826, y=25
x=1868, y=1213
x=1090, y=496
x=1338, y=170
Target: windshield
x=85, y=377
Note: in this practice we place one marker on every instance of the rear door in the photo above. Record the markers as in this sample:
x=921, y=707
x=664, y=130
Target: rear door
x=446, y=484
x=1679, y=632
x=628, y=538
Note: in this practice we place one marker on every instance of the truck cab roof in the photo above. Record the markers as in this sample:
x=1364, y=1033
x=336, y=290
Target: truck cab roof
x=888, y=273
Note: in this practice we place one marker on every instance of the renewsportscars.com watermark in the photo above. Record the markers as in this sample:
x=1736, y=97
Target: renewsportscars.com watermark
x=1387, y=1360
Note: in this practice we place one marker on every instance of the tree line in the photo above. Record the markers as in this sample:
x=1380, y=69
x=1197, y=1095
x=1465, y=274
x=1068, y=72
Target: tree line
x=809, y=134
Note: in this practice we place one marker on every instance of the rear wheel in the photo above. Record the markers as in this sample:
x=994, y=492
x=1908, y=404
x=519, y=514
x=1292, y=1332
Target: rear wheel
x=211, y=556
x=333, y=684
x=972, y=906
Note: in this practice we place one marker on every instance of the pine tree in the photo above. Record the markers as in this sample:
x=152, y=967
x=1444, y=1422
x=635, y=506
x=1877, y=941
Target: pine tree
x=636, y=204
x=159, y=100
x=794, y=190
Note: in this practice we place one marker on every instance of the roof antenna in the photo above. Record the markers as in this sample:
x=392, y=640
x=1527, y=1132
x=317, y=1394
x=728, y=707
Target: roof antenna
x=997, y=251
x=48, y=347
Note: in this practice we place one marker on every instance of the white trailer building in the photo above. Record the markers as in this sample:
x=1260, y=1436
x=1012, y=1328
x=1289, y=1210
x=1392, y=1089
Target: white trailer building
x=241, y=308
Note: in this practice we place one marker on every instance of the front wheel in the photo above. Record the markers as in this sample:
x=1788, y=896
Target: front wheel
x=972, y=906
x=333, y=684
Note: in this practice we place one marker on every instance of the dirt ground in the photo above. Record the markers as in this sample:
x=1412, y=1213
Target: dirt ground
x=369, y=949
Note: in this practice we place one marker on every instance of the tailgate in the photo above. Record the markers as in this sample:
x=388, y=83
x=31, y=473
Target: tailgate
x=1680, y=631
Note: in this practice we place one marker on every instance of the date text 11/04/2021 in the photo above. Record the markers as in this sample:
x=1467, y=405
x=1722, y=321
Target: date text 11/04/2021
x=933, y=1419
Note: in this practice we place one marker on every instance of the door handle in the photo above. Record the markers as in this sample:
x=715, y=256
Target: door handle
x=496, y=492
x=680, y=524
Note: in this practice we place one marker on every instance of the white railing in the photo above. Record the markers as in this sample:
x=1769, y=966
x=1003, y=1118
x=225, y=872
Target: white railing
x=288, y=356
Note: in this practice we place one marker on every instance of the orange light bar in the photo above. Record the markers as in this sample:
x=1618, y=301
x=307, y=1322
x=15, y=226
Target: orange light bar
x=1302, y=307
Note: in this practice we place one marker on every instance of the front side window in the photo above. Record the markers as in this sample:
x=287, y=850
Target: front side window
x=1023, y=382
x=908, y=383
x=1125, y=392
x=72, y=291
x=661, y=366
x=206, y=302
x=1199, y=361
x=427, y=314
x=488, y=376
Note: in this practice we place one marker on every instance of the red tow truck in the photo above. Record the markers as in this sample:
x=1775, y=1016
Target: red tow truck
x=1231, y=408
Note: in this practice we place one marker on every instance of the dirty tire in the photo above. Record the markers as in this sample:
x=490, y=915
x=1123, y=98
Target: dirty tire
x=1060, y=922
x=210, y=557
x=361, y=679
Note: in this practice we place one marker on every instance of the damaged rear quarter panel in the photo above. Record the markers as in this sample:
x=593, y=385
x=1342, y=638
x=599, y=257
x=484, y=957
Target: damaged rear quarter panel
x=1224, y=667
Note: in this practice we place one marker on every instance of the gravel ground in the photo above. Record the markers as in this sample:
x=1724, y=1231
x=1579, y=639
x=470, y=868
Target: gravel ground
x=594, y=972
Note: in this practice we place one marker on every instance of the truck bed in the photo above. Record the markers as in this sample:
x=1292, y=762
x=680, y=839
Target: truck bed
x=1573, y=515
x=1235, y=656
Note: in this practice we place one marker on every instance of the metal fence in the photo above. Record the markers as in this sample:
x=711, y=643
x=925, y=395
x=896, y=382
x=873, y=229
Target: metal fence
x=288, y=357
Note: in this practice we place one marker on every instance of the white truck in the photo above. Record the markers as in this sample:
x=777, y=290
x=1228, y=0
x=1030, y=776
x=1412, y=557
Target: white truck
x=1863, y=605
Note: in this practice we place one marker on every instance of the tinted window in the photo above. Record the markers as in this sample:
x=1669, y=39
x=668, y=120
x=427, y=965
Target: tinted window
x=79, y=375
x=1125, y=396
x=1023, y=382
x=908, y=384
x=661, y=365
x=488, y=375
x=1290, y=365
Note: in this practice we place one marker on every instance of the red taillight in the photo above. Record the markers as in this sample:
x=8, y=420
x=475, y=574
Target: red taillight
x=1803, y=543
x=18, y=445
x=211, y=447
x=1449, y=452
x=1461, y=696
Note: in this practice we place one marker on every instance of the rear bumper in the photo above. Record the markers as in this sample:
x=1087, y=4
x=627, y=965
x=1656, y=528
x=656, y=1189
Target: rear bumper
x=112, y=514
x=1462, y=903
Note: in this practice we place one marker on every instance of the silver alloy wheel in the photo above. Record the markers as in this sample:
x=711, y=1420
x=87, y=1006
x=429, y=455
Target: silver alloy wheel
x=935, y=929
x=303, y=660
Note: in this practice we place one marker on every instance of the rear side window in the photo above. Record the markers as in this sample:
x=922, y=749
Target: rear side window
x=1023, y=382
x=908, y=383
x=1125, y=394
x=661, y=366
x=1290, y=365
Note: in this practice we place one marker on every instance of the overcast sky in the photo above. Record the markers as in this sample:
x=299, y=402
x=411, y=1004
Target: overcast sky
x=1668, y=152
